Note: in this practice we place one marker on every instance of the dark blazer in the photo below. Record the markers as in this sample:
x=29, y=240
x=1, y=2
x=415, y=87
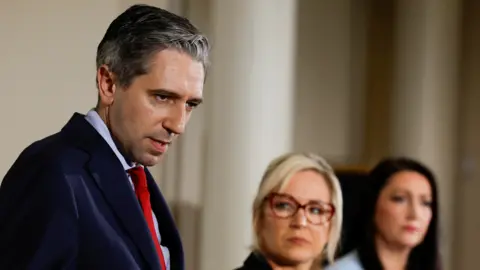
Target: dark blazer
x=255, y=261
x=66, y=203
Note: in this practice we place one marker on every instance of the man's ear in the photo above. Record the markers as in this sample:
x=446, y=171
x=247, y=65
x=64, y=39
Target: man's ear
x=106, y=85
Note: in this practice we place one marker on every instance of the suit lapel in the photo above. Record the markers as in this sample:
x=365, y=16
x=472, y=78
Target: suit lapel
x=112, y=180
x=119, y=193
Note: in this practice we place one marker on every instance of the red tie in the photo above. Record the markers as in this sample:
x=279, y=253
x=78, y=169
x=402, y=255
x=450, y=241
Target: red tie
x=139, y=180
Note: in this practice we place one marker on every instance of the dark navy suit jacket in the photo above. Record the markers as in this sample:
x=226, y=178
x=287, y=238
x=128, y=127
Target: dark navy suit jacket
x=66, y=203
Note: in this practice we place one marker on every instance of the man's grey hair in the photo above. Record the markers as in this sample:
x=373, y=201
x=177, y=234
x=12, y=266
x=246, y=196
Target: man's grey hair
x=141, y=31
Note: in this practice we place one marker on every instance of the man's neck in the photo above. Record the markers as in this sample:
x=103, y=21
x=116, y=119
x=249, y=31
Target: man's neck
x=392, y=257
x=102, y=112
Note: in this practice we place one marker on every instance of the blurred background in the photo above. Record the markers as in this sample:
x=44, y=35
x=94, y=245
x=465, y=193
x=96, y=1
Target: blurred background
x=352, y=80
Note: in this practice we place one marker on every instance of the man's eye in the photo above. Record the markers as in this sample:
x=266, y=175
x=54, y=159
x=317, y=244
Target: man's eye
x=192, y=105
x=161, y=97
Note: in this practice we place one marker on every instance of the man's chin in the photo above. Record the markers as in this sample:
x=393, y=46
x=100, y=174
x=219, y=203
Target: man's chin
x=151, y=160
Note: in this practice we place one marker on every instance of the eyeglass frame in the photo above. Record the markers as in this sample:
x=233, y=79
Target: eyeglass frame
x=299, y=206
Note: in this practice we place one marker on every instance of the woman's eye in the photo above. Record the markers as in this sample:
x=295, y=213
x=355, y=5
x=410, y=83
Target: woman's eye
x=283, y=205
x=427, y=203
x=398, y=199
x=317, y=211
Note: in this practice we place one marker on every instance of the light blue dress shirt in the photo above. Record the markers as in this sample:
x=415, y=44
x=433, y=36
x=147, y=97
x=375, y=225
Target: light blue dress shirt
x=350, y=261
x=94, y=119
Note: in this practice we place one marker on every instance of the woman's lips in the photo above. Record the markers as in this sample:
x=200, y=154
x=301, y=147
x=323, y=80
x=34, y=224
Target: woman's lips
x=298, y=240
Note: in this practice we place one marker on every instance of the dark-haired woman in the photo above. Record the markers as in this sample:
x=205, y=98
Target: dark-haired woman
x=401, y=220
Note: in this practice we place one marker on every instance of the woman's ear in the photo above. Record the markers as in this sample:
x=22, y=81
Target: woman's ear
x=257, y=223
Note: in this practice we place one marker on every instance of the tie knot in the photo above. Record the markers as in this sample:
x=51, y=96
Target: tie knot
x=139, y=177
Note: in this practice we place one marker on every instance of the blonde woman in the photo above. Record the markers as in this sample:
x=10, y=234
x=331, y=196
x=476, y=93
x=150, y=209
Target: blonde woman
x=297, y=215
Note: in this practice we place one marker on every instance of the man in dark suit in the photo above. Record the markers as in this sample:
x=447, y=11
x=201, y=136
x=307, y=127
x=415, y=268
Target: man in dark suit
x=82, y=198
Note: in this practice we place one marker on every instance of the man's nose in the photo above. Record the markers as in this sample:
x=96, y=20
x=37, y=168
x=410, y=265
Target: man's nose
x=176, y=120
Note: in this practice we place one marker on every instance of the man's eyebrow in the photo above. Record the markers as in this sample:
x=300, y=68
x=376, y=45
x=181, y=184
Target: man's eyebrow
x=196, y=101
x=164, y=92
x=173, y=94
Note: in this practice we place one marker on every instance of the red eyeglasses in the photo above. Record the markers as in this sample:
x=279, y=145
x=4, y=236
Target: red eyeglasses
x=285, y=206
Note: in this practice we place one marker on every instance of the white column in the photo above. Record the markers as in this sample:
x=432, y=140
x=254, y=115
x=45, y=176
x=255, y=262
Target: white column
x=249, y=119
x=425, y=98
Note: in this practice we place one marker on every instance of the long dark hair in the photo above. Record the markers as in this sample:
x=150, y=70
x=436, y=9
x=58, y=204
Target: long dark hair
x=425, y=256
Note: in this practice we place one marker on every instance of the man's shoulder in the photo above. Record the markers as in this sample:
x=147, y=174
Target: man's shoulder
x=40, y=174
x=54, y=151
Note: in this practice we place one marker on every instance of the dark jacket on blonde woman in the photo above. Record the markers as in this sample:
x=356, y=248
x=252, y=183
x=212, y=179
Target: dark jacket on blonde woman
x=255, y=261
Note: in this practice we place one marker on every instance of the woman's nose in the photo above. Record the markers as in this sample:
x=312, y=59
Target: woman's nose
x=300, y=219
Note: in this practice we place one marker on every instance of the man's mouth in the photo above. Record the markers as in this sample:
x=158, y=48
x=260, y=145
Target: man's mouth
x=160, y=146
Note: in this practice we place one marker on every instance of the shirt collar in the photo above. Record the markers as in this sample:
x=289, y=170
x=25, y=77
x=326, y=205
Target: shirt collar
x=99, y=125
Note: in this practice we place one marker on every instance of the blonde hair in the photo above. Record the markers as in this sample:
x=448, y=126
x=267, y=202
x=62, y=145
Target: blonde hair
x=278, y=175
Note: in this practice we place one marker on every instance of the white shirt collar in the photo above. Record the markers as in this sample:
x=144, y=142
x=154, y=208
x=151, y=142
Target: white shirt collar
x=96, y=121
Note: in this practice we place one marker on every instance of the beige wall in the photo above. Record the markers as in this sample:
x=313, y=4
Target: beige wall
x=326, y=112
x=48, y=67
x=47, y=72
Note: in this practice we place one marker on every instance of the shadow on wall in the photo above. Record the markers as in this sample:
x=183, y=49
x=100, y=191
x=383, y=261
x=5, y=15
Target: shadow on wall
x=354, y=187
x=188, y=219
